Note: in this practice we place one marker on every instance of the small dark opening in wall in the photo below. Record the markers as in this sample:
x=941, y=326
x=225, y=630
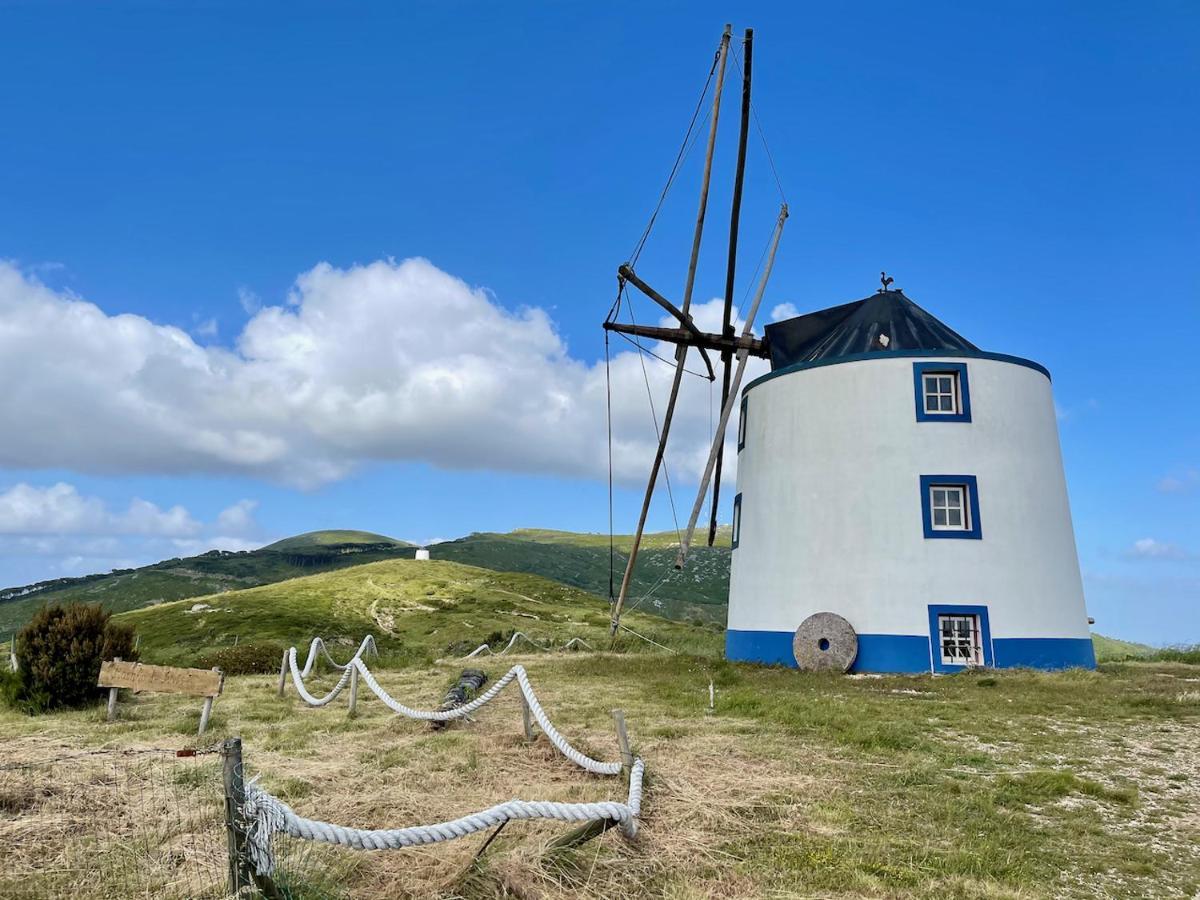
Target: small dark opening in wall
x=823, y=643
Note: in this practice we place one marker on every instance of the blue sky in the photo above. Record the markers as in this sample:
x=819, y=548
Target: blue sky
x=1026, y=171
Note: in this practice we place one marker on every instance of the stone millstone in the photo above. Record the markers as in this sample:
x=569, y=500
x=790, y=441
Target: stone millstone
x=825, y=642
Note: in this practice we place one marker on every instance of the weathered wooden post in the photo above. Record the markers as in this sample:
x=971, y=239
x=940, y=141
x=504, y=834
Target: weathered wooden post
x=233, y=776
x=527, y=718
x=12, y=652
x=353, y=689
x=283, y=667
x=623, y=741
x=206, y=710
x=112, y=699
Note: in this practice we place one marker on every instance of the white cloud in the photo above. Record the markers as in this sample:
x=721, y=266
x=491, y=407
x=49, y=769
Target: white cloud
x=387, y=361
x=784, y=311
x=208, y=328
x=61, y=509
x=238, y=519
x=1149, y=548
x=55, y=529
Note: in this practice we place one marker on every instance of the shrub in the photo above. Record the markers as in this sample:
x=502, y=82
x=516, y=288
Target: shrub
x=245, y=659
x=59, y=654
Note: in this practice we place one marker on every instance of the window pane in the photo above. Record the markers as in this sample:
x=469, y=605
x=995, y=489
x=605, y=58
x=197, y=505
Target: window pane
x=955, y=517
x=939, y=517
x=939, y=497
x=931, y=403
x=944, y=385
x=947, y=403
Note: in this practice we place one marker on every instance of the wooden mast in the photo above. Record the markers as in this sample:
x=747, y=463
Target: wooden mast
x=714, y=456
x=681, y=350
x=731, y=269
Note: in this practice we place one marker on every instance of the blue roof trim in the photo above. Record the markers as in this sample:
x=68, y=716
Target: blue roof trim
x=900, y=354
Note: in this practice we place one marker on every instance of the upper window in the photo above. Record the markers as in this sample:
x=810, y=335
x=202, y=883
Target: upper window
x=737, y=521
x=950, y=506
x=942, y=392
x=742, y=426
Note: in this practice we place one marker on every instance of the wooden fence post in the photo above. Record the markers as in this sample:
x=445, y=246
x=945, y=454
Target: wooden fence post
x=12, y=652
x=235, y=798
x=353, y=690
x=241, y=872
x=206, y=711
x=527, y=718
x=112, y=700
x=283, y=667
x=623, y=741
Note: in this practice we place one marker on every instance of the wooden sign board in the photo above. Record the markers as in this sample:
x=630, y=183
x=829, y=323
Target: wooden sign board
x=165, y=679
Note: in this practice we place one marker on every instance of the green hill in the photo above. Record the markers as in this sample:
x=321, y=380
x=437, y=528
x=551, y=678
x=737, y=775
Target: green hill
x=1113, y=650
x=194, y=576
x=417, y=611
x=320, y=540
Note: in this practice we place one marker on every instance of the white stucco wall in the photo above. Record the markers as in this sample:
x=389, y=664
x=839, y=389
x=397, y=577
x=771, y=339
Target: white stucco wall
x=831, y=514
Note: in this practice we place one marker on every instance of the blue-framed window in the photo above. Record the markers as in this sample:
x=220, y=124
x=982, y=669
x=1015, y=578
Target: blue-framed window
x=942, y=392
x=742, y=425
x=950, y=506
x=960, y=636
x=737, y=521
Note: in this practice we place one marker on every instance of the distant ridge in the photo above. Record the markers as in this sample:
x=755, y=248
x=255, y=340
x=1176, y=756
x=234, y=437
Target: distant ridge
x=332, y=537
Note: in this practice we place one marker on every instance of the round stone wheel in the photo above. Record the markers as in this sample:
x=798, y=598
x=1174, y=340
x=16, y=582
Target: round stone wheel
x=825, y=642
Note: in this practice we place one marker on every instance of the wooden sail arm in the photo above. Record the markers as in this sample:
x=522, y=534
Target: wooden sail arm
x=720, y=343
x=684, y=319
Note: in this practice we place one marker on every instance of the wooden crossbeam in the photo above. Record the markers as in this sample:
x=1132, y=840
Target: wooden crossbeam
x=752, y=346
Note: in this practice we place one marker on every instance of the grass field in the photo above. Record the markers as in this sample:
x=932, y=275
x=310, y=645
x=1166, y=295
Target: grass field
x=995, y=785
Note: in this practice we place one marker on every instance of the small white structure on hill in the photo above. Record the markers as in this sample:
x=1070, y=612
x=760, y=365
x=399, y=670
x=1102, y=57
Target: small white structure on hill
x=895, y=476
x=422, y=553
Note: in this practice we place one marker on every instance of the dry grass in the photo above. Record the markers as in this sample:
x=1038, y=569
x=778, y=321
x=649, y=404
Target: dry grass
x=1017, y=785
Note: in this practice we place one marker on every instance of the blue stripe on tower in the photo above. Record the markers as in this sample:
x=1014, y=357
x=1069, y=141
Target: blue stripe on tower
x=906, y=653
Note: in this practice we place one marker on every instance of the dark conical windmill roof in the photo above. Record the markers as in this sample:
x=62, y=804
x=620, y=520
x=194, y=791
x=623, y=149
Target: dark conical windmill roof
x=855, y=328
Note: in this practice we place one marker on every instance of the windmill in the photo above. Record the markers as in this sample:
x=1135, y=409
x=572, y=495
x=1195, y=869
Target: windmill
x=730, y=346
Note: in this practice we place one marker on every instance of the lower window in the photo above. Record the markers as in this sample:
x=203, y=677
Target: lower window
x=960, y=640
x=960, y=637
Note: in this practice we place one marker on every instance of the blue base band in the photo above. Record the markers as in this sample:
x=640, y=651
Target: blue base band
x=910, y=653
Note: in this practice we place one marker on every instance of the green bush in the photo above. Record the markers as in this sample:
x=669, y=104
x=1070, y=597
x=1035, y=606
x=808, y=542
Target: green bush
x=245, y=659
x=59, y=654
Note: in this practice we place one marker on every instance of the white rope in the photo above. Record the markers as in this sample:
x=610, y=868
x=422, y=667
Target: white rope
x=269, y=815
x=515, y=673
x=484, y=648
x=368, y=644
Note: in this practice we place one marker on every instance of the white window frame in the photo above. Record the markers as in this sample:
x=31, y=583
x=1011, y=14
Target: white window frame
x=962, y=507
x=965, y=644
x=955, y=393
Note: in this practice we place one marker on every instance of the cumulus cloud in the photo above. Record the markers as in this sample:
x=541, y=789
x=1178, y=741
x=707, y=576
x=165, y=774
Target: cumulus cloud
x=784, y=311
x=386, y=361
x=61, y=509
x=55, y=530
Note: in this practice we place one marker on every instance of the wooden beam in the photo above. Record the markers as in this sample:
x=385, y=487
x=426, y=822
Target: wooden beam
x=752, y=346
x=685, y=320
x=735, y=216
x=727, y=407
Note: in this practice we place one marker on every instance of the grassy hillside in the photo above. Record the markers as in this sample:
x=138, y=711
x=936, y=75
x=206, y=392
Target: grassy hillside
x=418, y=611
x=697, y=593
x=580, y=560
x=1113, y=650
x=208, y=573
